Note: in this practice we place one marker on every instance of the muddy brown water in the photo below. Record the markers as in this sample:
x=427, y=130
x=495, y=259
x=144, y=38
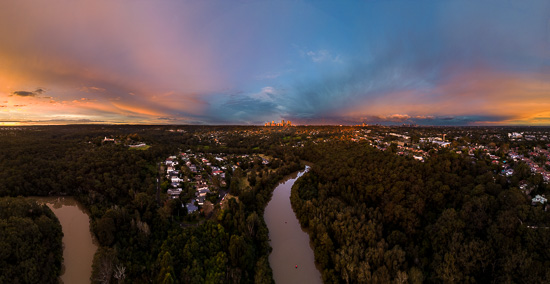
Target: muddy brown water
x=79, y=246
x=290, y=243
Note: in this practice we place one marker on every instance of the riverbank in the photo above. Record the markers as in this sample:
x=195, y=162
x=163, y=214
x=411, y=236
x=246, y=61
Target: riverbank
x=291, y=259
x=79, y=246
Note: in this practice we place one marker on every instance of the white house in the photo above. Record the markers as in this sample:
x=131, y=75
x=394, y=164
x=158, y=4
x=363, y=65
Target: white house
x=419, y=158
x=176, y=179
x=538, y=198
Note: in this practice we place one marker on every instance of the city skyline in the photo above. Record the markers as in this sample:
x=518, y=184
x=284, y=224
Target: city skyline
x=247, y=62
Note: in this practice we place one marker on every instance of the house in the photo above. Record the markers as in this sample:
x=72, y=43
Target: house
x=514, y=156
x=418, y=158
x=200, y=200
x=174, y=193
x=441, y=143
x=202, y=191
x=176, y=179
x=515, y=135
x=172, y=174
x=538, y=199
x=191, y=207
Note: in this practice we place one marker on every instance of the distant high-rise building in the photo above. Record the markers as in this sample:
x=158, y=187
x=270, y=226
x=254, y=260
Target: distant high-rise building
x=283, y=123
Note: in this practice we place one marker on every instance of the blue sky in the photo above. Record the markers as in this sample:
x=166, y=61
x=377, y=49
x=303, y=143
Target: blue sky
x=247, y=62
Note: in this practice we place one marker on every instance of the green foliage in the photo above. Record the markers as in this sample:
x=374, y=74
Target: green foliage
x=234, y=246
x=166, y=269
x=376, y=217
x=30, y=242
x=130, y=221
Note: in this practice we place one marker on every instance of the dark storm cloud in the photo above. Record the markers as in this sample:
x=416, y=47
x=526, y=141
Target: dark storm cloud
x=35, y=93
x=24, y=94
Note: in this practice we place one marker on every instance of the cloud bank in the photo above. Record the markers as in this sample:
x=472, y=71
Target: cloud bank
x=429, y=62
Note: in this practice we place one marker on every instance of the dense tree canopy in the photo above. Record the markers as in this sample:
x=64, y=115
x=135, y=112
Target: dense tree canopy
x=31, y=250
x=376, y=217
x=233, y=247
x=134, y=227
x=372, y=216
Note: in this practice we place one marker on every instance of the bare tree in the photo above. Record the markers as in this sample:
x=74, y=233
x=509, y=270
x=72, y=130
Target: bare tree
x=105, y=271
x=120, y=271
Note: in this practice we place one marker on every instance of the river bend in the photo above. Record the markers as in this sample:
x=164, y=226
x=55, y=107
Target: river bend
x=292, y=257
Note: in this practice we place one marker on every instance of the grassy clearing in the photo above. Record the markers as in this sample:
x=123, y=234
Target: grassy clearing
x=142, y=148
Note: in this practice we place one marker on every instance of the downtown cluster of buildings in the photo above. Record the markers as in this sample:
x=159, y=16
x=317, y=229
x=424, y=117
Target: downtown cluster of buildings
x=282, y=123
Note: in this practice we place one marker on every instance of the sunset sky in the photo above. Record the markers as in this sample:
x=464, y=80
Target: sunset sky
x=248, y=62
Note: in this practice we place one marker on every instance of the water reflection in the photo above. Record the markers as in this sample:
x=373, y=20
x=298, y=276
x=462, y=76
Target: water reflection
x=79, y=247
x=292, y=258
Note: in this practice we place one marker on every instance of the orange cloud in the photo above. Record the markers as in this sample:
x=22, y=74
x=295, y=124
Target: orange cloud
x=132, y=109
x=523, y=98
x=122, y=55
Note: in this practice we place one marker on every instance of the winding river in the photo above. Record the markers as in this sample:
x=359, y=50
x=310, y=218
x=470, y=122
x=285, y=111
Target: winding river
x=78, y=246
x=292, y=258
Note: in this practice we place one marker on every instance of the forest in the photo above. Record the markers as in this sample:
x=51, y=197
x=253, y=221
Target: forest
x=372, y=216
x=142, y=238
x=375, y=217
x=232, y=247
x=30, y=242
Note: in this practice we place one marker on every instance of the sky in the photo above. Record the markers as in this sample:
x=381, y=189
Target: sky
x=249, y=62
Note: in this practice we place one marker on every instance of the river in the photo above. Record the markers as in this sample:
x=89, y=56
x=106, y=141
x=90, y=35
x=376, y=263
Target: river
x=79, y=247
x=292, y=257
